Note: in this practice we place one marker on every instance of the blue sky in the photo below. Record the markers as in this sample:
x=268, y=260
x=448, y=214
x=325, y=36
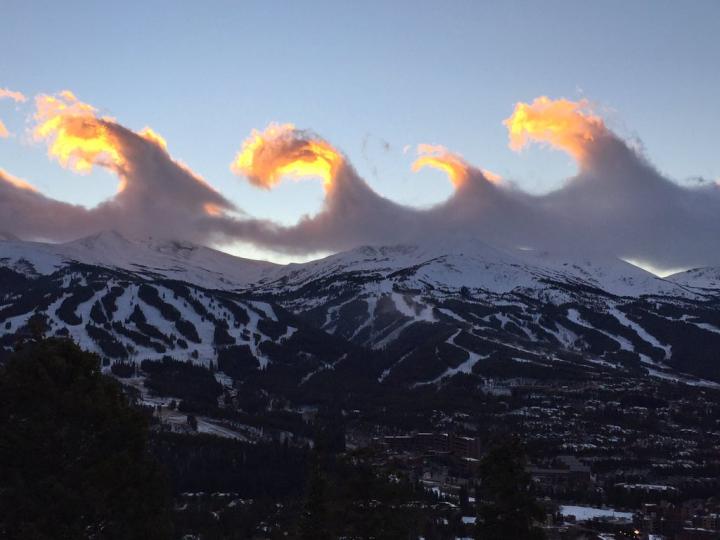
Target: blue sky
x=370, y=77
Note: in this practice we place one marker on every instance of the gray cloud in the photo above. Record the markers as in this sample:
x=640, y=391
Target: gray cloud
x=617, y=204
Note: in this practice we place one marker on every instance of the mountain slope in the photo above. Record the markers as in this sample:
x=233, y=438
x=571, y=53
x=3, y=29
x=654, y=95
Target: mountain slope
x=409, y=315
x=470, y=308
x=183, y=261
x=698, y=278
x=470, y=263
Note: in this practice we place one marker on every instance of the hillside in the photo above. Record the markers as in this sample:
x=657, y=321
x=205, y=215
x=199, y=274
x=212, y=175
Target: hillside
x=422, y=313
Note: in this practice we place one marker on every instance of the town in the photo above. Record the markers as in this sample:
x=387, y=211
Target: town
x=608, y=459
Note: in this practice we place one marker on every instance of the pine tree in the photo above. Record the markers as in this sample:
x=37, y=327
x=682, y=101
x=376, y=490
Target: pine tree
x=314, y=518
x=73, y=456
x=329, y=436
x=507, y=509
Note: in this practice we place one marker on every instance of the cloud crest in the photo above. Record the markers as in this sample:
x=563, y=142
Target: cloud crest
x=281, y=151
x=561, y=123
x=617, y=204
x=156, y=195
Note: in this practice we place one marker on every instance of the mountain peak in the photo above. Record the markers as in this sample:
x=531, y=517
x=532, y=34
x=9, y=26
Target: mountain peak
x=103, y=239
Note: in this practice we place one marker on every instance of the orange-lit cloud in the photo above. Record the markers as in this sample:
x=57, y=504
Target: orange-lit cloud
x=17, y=97
x=457, y=169
x=157, y=195
x=566, y=125
x=493, y=177
x=282, y=150
x=154, y=137
x=617, y=204
x=76, y=137
x=16, y=182
x=4, y=133
x=439, y=157
x=212, y=209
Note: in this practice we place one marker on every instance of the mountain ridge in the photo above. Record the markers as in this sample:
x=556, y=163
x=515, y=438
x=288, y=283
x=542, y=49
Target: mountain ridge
x=423, y=313
x=198, y=264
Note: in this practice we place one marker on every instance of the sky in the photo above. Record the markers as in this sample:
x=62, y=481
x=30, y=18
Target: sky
x=373, y=78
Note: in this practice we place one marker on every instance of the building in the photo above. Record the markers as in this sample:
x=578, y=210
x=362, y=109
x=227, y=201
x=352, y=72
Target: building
x=570, y=475
x=441, y=443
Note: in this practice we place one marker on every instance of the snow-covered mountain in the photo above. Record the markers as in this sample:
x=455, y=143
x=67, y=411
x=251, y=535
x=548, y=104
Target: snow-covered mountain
x=446, y=264
x=183, y=261
x=409, y=314
x=470, y=263
x=698, y=278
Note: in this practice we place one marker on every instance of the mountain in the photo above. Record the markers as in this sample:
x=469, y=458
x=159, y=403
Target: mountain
x=698, y=278
x=468, y=262
x=148, y=257
x=467, y=307
x=371, y=318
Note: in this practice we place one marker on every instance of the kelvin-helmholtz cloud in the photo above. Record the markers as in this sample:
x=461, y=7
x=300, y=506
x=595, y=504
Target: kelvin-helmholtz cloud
x=156, y=195
x=617, y=204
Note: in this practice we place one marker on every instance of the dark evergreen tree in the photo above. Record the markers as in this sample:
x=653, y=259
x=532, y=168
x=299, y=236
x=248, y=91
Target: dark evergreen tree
x=329, y=431
x=507, y=508
x=314, y=523
x=73, y=456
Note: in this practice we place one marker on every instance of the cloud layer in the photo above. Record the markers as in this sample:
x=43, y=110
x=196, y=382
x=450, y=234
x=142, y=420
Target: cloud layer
x=617, y=204
x=156, y=195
